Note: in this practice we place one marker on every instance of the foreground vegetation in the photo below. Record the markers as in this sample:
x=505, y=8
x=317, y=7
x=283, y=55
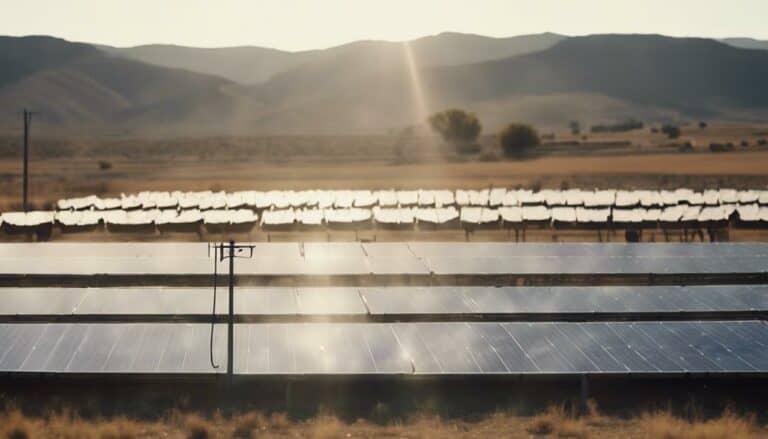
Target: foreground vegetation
x=555, y=422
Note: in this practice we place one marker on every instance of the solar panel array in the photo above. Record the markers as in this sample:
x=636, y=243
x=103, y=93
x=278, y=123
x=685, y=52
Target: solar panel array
x=403, y=348
x=397, y=208
x=386, y=329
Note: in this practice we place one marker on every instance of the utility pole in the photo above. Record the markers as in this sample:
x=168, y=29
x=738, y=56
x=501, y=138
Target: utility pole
x=27, y=123
x=234, y=251
x=231, y=319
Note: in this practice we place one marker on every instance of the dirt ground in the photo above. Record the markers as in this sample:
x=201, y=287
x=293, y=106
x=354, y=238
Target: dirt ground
x=107, y=167
x=57, y=178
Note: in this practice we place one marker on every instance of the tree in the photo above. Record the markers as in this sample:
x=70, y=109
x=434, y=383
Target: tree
x=672, y=131
x=575, y=127
x=456, y=127
x=516, y=138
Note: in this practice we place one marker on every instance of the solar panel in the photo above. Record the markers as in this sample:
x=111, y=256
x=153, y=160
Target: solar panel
x=109, y=348
x=383, y=301
x=50, y=301
x=329, y=301
x=416, y=300
x=420, y=348
x=356, y=259
x=143, y=301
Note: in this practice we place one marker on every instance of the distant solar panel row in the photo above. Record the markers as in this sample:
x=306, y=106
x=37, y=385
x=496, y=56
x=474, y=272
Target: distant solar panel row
x=420, y=348
x=384, y=300
x=246, y=219
x=387, y=198
x=385, y=259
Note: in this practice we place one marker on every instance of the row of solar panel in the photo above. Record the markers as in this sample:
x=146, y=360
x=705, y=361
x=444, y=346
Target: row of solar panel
x=421, y=197
x=342, y=250
x=459, y=265
x=384, y=300
x=418, y=348
x=171, y=219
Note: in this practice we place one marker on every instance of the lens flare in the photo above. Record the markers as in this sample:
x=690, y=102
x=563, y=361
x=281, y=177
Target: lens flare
x=417, y=86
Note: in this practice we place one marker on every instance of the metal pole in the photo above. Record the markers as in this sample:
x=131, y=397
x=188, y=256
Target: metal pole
x=231, y=319
x=27, y=117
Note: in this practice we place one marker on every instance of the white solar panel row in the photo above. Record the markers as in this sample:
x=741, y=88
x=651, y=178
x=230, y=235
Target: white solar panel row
x=287, y=301
x=403, y=348
x=408, y=198
x=751, y=213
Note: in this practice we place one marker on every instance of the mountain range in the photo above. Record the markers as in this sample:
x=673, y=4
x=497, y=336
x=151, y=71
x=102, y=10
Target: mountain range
x=374, y=86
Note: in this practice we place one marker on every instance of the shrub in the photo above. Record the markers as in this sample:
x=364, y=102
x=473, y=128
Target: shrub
x=457, y=127
x=719, y=147
x=517, y=138
x=627, y=125
x=672, y=131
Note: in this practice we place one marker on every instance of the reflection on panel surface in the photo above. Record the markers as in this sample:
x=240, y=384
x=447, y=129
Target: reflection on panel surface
x=401, y=348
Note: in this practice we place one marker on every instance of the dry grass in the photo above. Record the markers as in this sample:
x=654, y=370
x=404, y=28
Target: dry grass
x=558, y=421
x=663, y=425
x=555, y=422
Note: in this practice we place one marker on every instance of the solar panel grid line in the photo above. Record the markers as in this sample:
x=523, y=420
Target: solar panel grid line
x=749, y=352
x=646, y=349
x=710, y=348
x=614, y=354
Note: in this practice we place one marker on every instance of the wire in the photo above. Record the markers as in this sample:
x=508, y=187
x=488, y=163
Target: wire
x=213, y=311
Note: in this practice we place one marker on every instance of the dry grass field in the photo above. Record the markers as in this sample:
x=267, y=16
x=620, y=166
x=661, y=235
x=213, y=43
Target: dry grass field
x=52, y=179
x=554, y=422
x=73, y=167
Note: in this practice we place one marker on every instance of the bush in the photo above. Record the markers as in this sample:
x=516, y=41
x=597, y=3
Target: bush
x=105, y=165
x=517, y=138
x=719, y=147
x=627, y=125
x=702, y=124
x=457, y=127
x=575, y=127
x=762, y=142
x=672, y=131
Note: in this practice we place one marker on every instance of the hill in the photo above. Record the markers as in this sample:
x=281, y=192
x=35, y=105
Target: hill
x=746, y=43
x=252, y=65
x=374, y=87
x=594, y=78
x=76, y=88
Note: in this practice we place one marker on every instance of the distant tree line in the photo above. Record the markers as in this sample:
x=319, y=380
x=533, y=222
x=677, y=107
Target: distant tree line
x=620, y=127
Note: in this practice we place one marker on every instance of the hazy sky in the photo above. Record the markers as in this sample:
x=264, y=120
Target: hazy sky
x=309, y=24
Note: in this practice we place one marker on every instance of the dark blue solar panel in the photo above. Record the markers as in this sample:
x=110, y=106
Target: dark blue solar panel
x=403, y=348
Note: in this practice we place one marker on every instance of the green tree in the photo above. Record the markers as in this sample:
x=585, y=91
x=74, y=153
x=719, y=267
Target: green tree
x=517, y=138
x=672, y=131
x=456, y=127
